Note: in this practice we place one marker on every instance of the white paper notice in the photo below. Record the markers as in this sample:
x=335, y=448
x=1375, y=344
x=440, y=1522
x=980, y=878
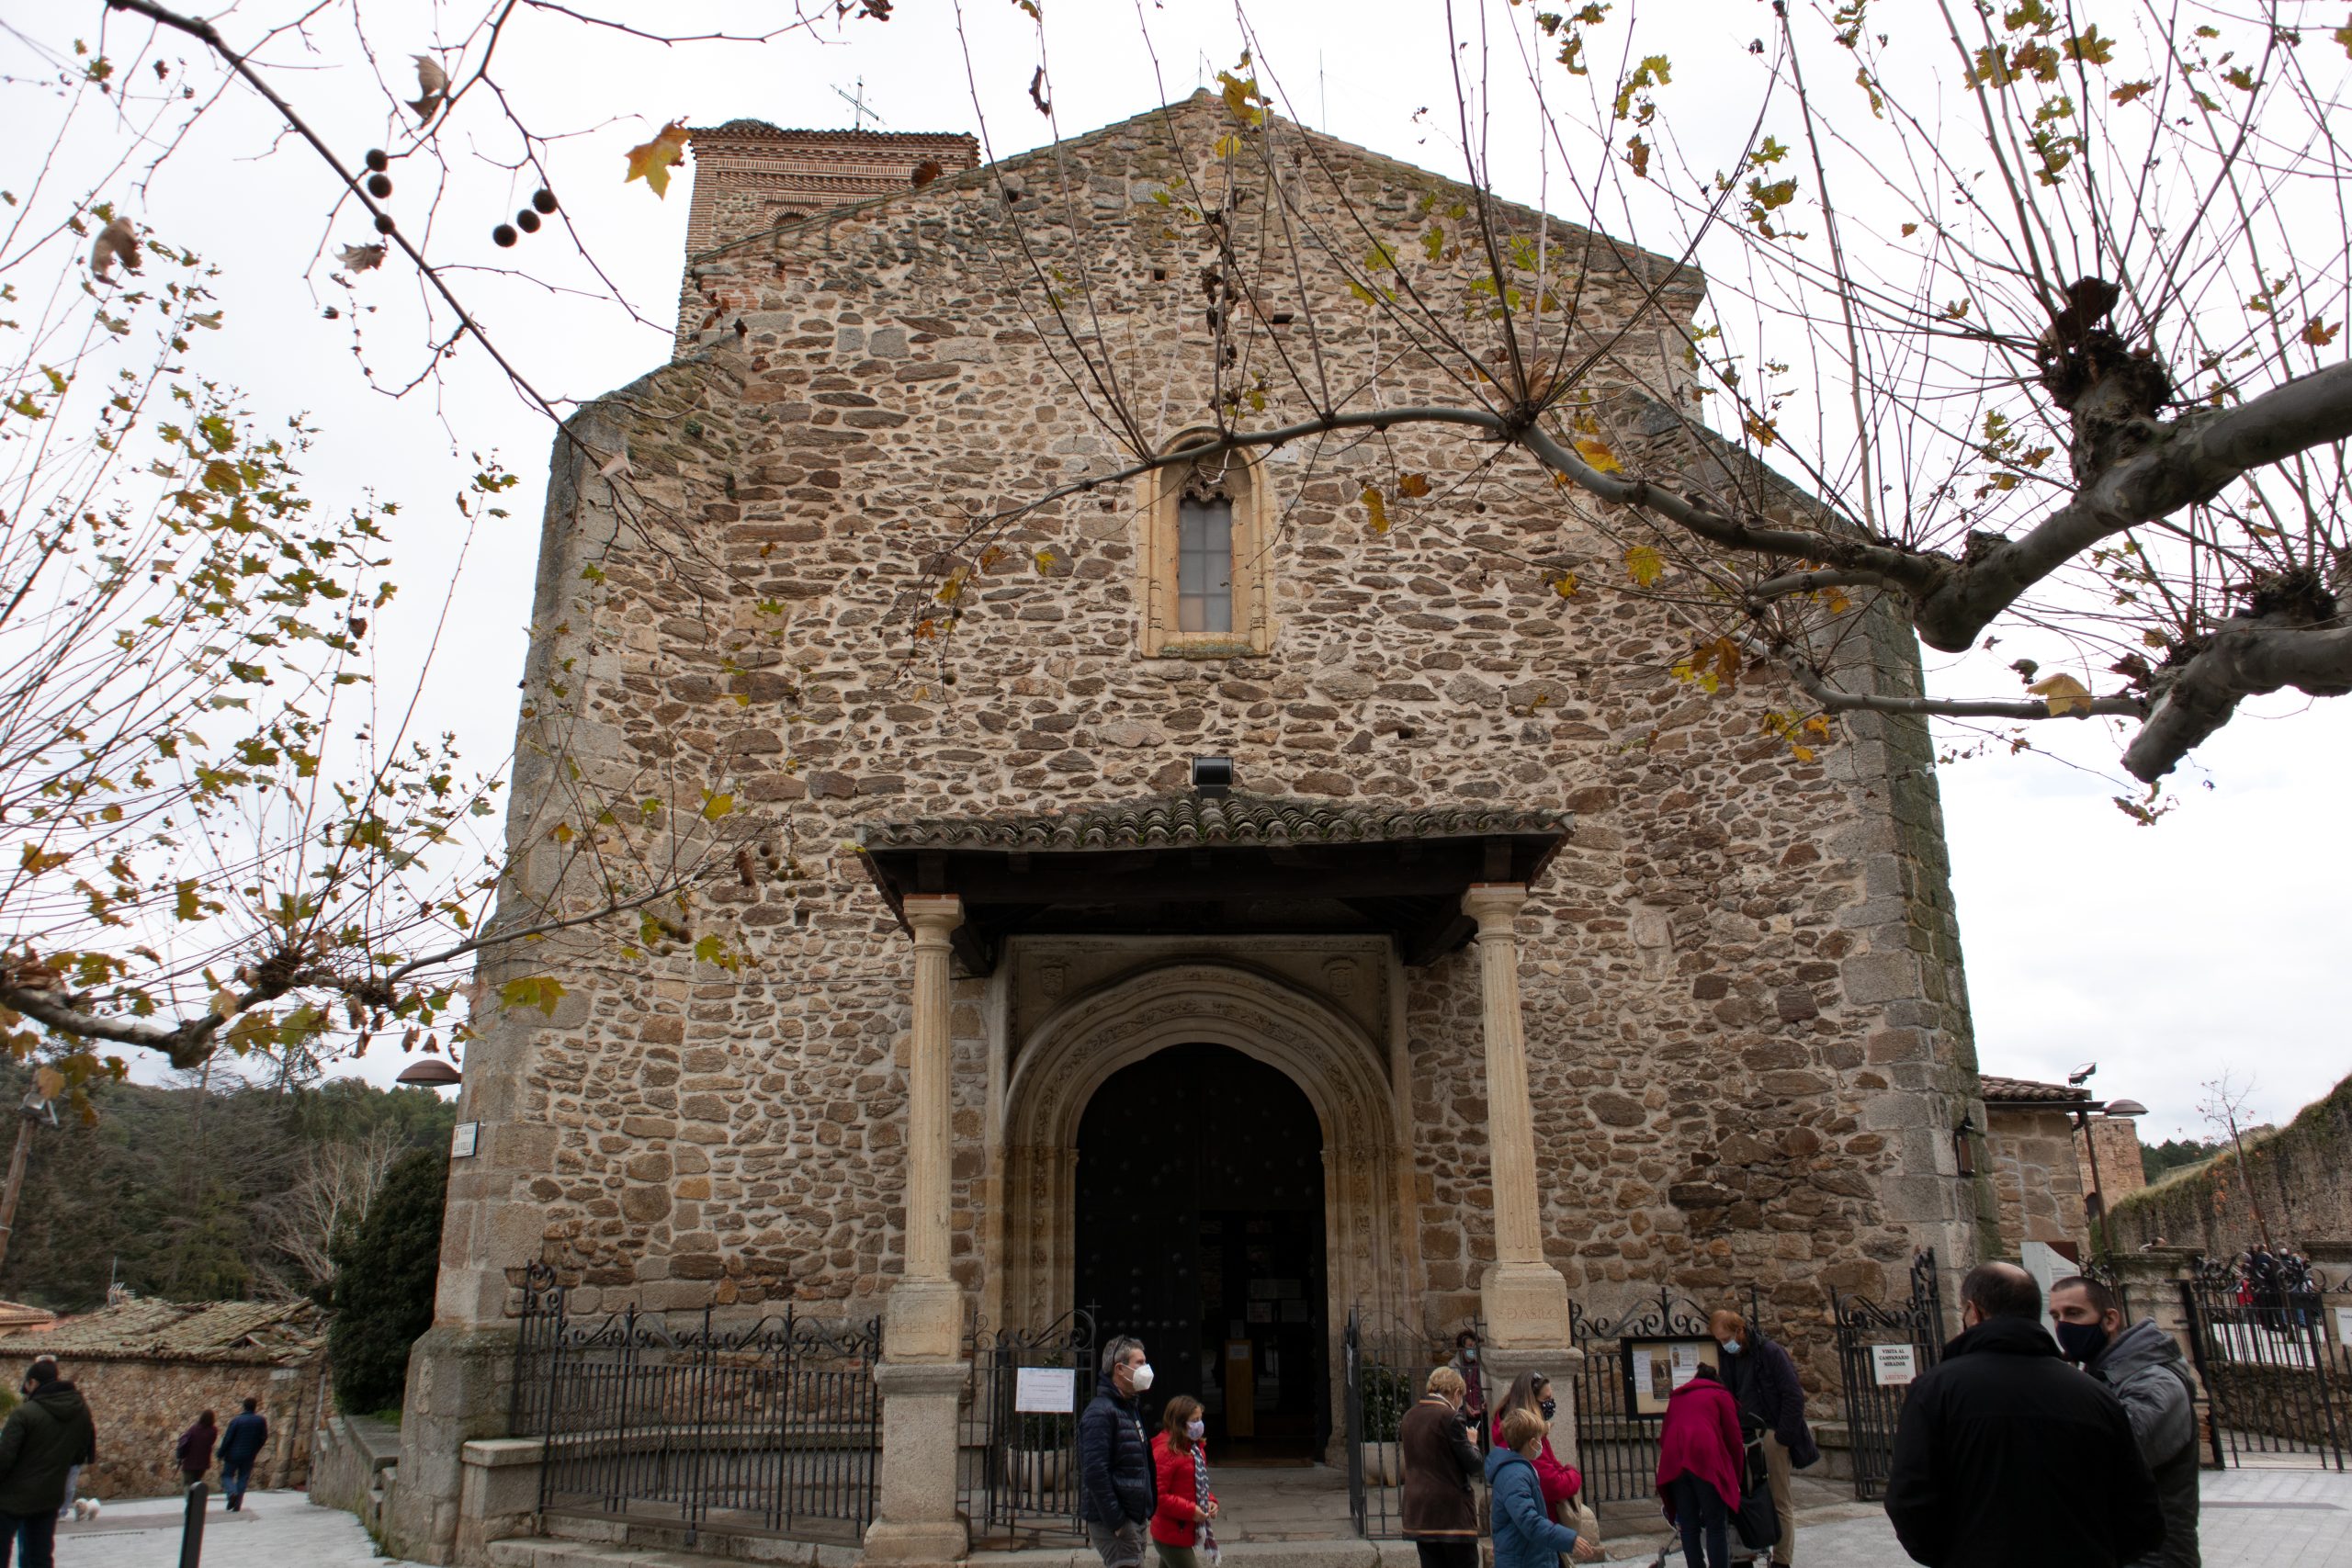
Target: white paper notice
x=1895, y=1365
x=2344, y=1324
x=461, y=1140
x=1685, y=1364
x=1044, y=1391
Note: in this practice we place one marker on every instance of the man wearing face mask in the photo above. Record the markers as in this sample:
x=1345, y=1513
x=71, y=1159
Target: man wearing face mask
x=2005, y=1457
x=2143, y=1367
x=1763, y=1380
x=1115, y=1457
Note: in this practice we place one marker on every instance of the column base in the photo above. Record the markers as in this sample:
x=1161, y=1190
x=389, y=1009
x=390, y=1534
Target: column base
x=1524, y=1304
x=915, y=1522
x=916, y=1545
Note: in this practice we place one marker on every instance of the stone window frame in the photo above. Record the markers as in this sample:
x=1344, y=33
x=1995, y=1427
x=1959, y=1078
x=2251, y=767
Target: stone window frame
x=1238, y=479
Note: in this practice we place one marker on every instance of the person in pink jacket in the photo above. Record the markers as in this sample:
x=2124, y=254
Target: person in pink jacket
x=1699, y=1468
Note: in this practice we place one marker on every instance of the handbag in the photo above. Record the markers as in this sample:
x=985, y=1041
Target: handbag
x=1758, y=1522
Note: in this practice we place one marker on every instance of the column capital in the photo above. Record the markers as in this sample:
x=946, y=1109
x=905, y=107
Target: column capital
x=1494, y=905
x=932, y=915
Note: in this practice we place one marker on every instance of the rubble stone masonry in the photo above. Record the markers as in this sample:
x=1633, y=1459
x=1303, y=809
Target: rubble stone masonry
x=1747, y=1029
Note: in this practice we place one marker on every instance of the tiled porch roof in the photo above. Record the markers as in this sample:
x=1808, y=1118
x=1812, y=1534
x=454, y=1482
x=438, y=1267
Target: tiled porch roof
x=1999, y=1090
x=1179, y=821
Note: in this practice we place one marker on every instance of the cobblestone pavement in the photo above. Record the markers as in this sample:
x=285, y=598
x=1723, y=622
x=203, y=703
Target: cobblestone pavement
x=2252, y=1519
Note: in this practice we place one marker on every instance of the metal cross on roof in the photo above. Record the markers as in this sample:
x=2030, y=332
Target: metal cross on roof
x=858, y=112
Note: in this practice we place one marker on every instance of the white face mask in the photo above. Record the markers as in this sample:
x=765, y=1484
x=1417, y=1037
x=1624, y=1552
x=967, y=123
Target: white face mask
x=1196, y=1430
x=1139, y=1376
x=1731, y=1346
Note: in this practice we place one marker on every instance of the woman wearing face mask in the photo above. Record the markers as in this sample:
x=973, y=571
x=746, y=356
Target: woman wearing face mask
x=1181, y=1529
x=1532, y=1391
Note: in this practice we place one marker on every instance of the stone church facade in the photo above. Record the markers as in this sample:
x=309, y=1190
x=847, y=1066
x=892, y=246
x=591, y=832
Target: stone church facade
x=1513, y=968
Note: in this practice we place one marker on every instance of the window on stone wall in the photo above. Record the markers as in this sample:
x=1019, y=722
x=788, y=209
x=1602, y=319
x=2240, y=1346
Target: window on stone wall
x=1205, y=572
x=1204, y=564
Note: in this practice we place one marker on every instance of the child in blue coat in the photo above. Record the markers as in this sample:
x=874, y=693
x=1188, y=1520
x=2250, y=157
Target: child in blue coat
x=1524, y=1538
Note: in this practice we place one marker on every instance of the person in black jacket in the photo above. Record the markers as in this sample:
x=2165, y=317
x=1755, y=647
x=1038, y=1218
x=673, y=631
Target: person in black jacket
x=1763, y=1379
x=1115, y=1457
x=2005, y=1457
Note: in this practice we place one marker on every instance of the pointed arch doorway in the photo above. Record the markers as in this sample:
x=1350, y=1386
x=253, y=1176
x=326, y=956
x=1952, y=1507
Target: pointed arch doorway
x=1200, y=1226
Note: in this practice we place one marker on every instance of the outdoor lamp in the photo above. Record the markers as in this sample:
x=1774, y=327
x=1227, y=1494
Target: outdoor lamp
x=1213, y=775
x=1964, y=1144
x=2126, y=1108
x=429, y=1072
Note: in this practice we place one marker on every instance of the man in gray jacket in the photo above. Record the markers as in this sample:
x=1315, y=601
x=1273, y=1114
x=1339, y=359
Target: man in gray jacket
x=2143, y=1368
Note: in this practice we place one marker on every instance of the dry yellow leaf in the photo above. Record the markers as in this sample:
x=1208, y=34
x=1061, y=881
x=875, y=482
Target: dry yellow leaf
x=2063, y=692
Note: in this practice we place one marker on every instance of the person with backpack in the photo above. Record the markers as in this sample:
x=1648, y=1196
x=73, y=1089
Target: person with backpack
x=44, y=1438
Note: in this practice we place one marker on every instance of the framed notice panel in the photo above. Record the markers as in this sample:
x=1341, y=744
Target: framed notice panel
x=1656, y=1368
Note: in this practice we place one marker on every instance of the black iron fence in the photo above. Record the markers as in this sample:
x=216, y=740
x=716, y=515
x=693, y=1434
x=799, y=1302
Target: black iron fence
x=1384, y=1366
x=1017, y=1481
x=2272, y=1357
x=1631, y=1361
x=1881, y=1349
x=769, y=1429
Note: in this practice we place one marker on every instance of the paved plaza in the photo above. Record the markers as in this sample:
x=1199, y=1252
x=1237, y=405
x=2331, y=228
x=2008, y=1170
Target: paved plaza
x=2254, y=1518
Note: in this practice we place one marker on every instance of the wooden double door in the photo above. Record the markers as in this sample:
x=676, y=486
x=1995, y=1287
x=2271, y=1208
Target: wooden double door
x=1200, y=1229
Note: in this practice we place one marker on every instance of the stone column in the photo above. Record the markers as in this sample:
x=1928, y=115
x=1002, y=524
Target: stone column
x=920, y=1376
x=1524, y=1298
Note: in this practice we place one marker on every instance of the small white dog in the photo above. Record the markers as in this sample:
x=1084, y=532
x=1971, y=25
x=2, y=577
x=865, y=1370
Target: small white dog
x=85, y=1510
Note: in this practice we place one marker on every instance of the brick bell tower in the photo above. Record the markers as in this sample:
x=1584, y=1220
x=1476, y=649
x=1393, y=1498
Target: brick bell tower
x=751, y=178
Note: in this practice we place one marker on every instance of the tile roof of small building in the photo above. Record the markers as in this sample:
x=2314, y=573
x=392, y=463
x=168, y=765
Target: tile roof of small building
x=251, y=1332
x=1179, y=821
x=2025, y=1092
x=15, y=1315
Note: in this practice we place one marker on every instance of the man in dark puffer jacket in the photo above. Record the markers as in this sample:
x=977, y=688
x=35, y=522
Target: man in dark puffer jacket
x=45, y=1437
x=1113, y=1457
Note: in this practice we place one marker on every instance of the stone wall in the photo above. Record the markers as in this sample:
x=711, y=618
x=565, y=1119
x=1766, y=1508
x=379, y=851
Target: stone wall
x=749, y=177
x=2037, y=1175
x=142, y=1407
x=2115, y=1142
x=2299, y=1177
x=1747, y=1028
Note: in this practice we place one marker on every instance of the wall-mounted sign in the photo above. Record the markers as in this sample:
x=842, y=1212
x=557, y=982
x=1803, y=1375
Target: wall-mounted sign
x=1893, y=1366
x=1044, y=1391
x=462, y=1139
x=2344, y=1324
x=1654, y=1369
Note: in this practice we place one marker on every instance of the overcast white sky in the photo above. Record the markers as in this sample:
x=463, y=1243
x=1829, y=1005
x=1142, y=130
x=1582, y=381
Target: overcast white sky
x=2210, y=943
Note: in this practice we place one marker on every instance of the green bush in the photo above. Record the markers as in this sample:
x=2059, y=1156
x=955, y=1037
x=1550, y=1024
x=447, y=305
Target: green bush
x=382, y=1291
x=1387, y=1394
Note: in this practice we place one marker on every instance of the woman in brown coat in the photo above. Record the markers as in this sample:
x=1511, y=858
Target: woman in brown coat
x=1440, y=1511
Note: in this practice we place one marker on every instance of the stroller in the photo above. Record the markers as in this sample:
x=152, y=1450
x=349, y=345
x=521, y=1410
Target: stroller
x=1755, y=1526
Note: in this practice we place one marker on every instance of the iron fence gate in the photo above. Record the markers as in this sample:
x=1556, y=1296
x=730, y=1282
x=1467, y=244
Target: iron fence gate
x=2273, y=1362
x=1881, y=1349
x=771, y=1429
x=1017, y=1480
x=1617, y=1430
x=1382, y=1371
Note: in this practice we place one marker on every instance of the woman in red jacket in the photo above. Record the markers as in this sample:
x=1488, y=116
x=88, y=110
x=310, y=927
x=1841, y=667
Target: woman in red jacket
x=1532, y=1391
x=1180, y=1524
x=1699, y=1455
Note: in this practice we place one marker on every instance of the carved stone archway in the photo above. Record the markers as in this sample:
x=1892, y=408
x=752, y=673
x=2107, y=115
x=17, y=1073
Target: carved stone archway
x=1060, y=1064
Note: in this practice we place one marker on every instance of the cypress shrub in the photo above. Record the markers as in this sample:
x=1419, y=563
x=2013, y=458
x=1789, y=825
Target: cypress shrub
x=382, y=1291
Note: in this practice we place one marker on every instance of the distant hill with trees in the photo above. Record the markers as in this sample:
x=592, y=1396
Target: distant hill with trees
x=205, y=1191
